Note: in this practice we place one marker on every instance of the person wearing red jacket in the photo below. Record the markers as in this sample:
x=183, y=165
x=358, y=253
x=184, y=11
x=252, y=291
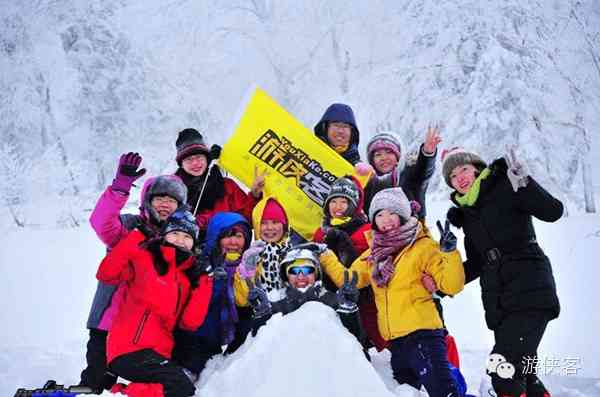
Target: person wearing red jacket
x=208, y=191
x=166, y=287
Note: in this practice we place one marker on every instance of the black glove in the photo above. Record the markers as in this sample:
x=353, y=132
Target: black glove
x=215, y=152
x=340, y=242
x=347, y=295
x=258, y=299
x=200, y=266
x=219, y=273
x=447, y=239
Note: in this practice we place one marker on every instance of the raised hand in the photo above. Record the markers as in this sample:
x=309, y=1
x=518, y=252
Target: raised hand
x=247, y=267
x=517, y=172
x=258, y=184
x=447, y=238
x=432, y=139
x=258, y=299
x=347, y=295
x=127, y=172
x=215, y=152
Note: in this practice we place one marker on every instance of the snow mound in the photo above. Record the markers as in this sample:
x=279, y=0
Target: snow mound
x=306, y=353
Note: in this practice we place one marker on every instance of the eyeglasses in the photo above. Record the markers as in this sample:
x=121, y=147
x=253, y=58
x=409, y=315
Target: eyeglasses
x=296, y=270
x=164, y=200
x=340, y=125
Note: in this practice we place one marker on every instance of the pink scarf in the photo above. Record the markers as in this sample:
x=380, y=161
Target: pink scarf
x=386, y=245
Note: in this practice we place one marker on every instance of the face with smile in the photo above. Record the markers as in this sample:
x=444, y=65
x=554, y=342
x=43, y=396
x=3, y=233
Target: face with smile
x=386, y=220
x=301, y=276
x=462, y=177
x=338, y=207
x=233, y=243
x=180, y=239
x=384, y=161
x=271, y=231
x=195, y=164
x=164, y=206
x=338, y=133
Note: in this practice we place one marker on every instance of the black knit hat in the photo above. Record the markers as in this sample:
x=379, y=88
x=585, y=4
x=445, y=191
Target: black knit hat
x=346, y=188
x=190, y=142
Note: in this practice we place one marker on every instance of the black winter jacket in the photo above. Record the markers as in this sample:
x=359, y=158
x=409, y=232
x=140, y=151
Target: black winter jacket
x=501, y=247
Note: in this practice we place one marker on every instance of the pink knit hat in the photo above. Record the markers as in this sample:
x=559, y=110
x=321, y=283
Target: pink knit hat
x=274, y=212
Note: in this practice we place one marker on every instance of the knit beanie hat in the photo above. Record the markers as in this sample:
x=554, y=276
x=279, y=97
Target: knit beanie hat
x=273, y=211
x=393, y=200
x=456, y=157
x=181, y=220
x=384, y=140
x=190, y=142
x=343, y=187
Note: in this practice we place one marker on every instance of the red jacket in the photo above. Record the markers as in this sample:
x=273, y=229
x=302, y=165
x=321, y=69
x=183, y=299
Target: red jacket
x=154, y=304
x=235, y=200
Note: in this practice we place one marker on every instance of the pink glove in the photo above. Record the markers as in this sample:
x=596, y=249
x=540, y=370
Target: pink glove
x=363, y=169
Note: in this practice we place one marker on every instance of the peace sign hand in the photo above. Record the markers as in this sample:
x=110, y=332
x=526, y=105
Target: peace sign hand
x=258, y=184
x=347, y=295
x=517, y=172
x=432, y=139
x=447, y=238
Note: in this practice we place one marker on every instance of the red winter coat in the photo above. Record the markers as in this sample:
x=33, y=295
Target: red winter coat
x=235, y=200
x=154, y=304
x=358, y=237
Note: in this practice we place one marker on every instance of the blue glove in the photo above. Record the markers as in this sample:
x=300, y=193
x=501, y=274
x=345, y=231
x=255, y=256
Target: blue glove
x=347, y=295
x=447, y=239
x=258, y=299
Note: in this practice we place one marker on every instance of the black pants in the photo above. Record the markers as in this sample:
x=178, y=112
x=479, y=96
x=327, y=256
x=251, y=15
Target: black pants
x=147, y=366
x=517, y=339
x=96, y=374
x=192, y=351
x=421, y=358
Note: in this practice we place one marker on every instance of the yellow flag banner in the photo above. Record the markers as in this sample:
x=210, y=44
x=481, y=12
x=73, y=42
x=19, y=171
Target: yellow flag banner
x=300, y=168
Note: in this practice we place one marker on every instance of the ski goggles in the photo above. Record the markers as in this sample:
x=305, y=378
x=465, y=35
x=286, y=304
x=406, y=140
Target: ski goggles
x=296, y=270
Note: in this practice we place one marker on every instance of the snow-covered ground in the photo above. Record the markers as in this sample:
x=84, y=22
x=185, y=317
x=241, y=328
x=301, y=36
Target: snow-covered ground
x=47, y=281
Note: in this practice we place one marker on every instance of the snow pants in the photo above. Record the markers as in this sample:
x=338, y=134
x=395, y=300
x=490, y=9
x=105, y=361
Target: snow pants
x=421, y=359
x=517, y=339
x=192, y=351
x=147, y=366
x=96, y=374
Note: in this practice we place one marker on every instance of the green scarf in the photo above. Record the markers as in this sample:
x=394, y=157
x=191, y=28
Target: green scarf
x=469, y=198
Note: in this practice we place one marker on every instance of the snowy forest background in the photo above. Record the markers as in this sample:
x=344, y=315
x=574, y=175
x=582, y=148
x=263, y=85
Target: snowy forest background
x=83, y=81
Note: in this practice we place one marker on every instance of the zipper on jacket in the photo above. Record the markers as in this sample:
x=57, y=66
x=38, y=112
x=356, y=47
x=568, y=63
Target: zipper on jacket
x=387, y=313
x=140, y=327
x=178, y=298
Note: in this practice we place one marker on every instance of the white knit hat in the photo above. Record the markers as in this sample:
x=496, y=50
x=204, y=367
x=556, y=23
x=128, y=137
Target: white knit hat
x=393, y=200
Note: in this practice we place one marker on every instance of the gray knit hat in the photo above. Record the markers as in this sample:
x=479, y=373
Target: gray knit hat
x=163, y=185
x=393, y=200
x=456, y=157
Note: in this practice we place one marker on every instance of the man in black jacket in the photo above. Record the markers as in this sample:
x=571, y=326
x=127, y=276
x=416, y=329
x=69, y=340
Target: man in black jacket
x=301, y=271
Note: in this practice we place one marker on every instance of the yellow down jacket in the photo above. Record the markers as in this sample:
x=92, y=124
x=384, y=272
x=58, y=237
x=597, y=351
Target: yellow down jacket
x=404, y=305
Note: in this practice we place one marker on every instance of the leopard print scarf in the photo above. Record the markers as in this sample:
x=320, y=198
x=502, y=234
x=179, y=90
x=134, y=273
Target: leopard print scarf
x=271, y=258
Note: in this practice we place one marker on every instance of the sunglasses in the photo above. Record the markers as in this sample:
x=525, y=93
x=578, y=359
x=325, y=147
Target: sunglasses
x=296, y=270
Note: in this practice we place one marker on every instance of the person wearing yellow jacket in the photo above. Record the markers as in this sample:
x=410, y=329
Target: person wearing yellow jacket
x=400, y=251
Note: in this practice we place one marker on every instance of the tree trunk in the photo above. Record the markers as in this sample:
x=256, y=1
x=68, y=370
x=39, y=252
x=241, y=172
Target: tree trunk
x=588, y=186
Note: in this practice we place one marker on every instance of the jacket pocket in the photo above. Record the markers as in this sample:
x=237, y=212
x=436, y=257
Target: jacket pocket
x=140, y=327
